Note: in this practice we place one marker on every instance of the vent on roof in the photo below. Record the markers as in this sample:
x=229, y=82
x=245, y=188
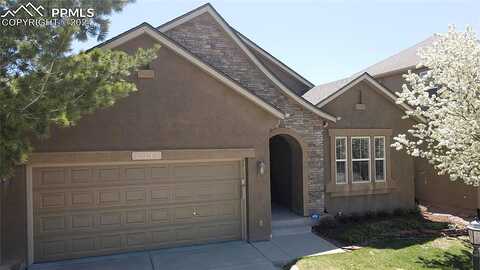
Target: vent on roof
x=360, y=106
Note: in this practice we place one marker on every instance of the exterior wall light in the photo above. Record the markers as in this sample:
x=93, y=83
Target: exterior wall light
x=474, y=235
x=261, y=167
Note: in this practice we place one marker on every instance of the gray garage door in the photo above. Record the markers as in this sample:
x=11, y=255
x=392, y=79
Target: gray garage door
x=95, y=210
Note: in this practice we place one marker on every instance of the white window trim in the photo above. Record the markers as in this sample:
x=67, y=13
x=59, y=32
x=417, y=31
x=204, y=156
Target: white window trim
x=345, y=160
x=384, y=159
x=361, y=159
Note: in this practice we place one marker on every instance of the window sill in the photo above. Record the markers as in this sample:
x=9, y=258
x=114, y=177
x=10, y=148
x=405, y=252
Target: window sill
x=360, y=189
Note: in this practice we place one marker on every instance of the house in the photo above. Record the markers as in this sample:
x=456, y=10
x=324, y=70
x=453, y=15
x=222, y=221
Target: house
x=219, y=135
x=430, y=188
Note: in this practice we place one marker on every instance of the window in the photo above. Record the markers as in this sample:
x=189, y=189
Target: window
x=341, y=160
x=360, y=159
x=379, y=159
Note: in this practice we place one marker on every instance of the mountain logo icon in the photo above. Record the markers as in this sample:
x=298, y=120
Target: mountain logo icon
x=29, y=8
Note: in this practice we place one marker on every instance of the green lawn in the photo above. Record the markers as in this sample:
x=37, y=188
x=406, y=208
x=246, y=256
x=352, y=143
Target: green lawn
x=440, y=253
x=406, y=241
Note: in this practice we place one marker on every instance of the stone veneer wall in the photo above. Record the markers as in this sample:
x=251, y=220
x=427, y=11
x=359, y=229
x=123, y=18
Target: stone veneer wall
x=205, y=38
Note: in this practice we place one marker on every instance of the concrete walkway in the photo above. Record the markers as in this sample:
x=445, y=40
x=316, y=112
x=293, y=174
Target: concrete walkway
x=292, y=238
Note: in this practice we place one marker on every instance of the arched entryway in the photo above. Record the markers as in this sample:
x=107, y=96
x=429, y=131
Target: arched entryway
x=286, y=173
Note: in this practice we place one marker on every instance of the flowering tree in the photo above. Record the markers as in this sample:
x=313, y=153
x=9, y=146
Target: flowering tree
x=447, y=98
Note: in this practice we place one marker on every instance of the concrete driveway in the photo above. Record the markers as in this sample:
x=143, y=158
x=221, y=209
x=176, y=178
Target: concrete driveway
x=223, y=256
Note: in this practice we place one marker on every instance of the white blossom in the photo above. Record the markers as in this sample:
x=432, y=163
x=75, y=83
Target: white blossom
x=447, y=97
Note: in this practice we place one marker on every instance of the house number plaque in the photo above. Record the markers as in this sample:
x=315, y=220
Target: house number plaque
x=146, y=155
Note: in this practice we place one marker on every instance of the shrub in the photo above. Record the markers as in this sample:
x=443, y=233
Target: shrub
x=356, y=217
x=415, y=211
x=340, y=217
x=383, y=214
x=399, y=212
x=370, y=215
x=327, y=222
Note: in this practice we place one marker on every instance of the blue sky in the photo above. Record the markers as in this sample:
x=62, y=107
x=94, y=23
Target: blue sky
x=321, y=40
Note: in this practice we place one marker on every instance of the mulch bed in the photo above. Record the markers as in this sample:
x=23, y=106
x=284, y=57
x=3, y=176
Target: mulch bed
x=455, y=227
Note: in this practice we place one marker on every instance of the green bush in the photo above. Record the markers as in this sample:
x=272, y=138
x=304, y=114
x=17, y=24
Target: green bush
x=383, y=214
x=327, y=222
x=355, y=217
x=398, y=212
x=370, y=215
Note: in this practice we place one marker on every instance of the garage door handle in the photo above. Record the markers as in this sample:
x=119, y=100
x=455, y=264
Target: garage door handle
x=194, y=212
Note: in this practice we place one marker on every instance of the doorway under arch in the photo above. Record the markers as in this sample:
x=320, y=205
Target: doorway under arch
x=286, y=173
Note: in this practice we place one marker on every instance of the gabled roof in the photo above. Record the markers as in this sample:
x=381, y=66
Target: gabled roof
x=238, y=40
x=399, y=62
x=146, y=28
x=339, y=87
x=193, y=13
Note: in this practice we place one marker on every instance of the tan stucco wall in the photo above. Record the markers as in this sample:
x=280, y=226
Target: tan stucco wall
x=181, y=108
x=431, y=188
x=380, y=113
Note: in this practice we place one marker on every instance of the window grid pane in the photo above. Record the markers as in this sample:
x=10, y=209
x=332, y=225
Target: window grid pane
x=341, y=176
x=340, y=146
x=360, y=148
x=380, y=170
x=360, y=171
x=341, y=160
x=360, y=159
x=380, y=159
x=379, y=147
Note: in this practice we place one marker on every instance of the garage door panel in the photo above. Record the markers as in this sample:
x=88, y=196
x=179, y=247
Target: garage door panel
x=160, y=173
x=135, y=173
x=83, y=244
x=48, y=177
x=82, y=198
x=109, y=220
x=49, y=224
x=53, y=248
x=97, y=210
x=160, y=194
x=160, y=216
x=136, y=239
x=136, y=196
x=49, y=200
x=137, y=217
x=82, y=175
x=83, y=222
x=108, y=174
